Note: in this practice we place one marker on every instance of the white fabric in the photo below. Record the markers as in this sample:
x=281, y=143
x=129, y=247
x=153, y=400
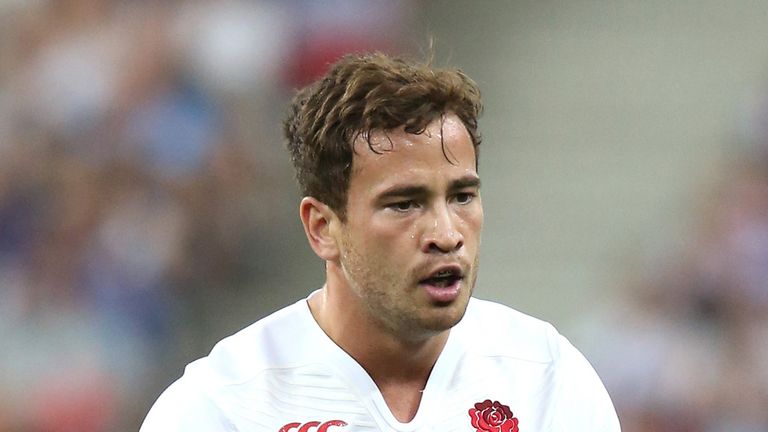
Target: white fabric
x=284, y=369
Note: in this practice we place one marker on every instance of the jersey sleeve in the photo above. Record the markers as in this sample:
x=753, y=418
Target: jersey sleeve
x=184, y=407
x=582, y=402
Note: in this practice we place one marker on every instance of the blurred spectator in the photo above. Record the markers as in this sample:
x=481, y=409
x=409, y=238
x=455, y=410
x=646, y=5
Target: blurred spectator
x=137, y=184
x=687, y=351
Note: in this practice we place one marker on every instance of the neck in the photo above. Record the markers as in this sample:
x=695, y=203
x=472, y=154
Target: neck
x=375, y=347
x=399, y=365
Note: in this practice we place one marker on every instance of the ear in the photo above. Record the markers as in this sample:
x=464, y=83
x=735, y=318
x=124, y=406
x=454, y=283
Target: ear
x=318, y=219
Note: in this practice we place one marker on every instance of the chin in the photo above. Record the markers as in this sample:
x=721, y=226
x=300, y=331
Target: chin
x=444, y=317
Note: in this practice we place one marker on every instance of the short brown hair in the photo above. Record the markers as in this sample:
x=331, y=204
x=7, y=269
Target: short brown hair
x=361, y=94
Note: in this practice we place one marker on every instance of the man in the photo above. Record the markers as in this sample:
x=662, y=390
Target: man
x=386, y=157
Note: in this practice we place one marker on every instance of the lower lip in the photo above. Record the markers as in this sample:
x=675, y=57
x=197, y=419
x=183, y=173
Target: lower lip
x=445, y=294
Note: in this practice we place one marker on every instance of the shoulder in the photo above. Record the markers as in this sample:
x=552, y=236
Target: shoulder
x=495, y=329
x=201, y=399
x=583, y=398
x=184, y=407
x=280, y=340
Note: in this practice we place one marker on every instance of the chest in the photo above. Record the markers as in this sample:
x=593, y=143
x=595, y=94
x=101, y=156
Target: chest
x=483, y=395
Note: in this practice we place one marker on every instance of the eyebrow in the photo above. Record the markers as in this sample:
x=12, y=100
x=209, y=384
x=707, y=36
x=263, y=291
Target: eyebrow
x=467, y=181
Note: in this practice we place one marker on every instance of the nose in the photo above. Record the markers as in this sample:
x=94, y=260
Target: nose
x=441, y=234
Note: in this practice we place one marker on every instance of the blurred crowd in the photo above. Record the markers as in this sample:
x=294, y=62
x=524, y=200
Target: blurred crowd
x=686, y=350
x=142, y=174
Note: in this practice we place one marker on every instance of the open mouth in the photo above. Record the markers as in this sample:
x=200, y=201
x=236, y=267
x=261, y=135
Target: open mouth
x=443, y=278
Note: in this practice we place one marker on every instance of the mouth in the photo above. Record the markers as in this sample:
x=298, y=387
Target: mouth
x=443, y=277
x=443, y=284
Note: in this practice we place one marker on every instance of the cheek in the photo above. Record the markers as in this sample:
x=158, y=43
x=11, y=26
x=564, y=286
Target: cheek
x=472, y=221
x=386, y=231
x=376, y=240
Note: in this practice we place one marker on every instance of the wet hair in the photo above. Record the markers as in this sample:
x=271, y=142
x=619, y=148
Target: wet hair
x=359, y=95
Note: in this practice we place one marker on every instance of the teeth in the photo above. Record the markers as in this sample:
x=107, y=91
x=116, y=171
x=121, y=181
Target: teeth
x=444, y=277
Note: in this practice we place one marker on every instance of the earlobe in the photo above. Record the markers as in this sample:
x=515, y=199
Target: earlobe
x=317, y=219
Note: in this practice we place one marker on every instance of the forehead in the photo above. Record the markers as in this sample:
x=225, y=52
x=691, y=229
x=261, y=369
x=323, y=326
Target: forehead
x=444, y=147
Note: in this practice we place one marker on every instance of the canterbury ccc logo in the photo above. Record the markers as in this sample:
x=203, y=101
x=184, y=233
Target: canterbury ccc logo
x=309, y=426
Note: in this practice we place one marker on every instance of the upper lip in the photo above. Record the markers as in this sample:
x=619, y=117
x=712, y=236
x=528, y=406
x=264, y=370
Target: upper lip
x=451, y=269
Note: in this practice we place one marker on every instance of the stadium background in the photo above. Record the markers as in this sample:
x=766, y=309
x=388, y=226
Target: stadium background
x=147, y=207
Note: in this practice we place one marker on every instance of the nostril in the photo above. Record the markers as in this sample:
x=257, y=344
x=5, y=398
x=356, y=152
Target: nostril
x=446, y=244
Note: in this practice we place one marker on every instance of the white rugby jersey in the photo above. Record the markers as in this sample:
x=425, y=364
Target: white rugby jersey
x=500, y=371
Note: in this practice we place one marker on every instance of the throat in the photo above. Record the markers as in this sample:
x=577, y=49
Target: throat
x=402, y=383
x=402, y=400
x=398, y=362
x=402, y=377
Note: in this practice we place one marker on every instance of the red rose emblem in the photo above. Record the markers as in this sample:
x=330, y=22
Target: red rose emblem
x=490, y=416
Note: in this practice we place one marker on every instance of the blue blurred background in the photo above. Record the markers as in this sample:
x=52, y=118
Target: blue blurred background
x=148, y=209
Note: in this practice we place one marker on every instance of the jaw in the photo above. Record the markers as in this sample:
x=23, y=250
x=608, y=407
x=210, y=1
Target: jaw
x=430, y=317
x=416, y=315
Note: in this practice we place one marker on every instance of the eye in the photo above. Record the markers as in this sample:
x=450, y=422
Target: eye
x=464, y=197
x=402, y=206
